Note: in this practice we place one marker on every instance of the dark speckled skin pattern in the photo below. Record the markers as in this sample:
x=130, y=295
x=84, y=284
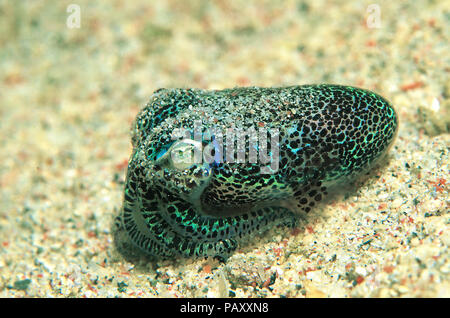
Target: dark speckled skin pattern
x=325, y=134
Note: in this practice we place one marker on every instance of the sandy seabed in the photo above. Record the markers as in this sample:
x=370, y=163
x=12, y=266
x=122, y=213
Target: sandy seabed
x=69, y=95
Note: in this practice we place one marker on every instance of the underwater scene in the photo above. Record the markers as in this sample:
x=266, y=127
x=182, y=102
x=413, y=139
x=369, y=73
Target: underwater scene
x=224, y=149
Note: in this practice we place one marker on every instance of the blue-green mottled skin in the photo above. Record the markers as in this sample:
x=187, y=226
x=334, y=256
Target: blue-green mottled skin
x=327, y=134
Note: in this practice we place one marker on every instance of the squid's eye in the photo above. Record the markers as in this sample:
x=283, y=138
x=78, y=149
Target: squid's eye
x=184, y=154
